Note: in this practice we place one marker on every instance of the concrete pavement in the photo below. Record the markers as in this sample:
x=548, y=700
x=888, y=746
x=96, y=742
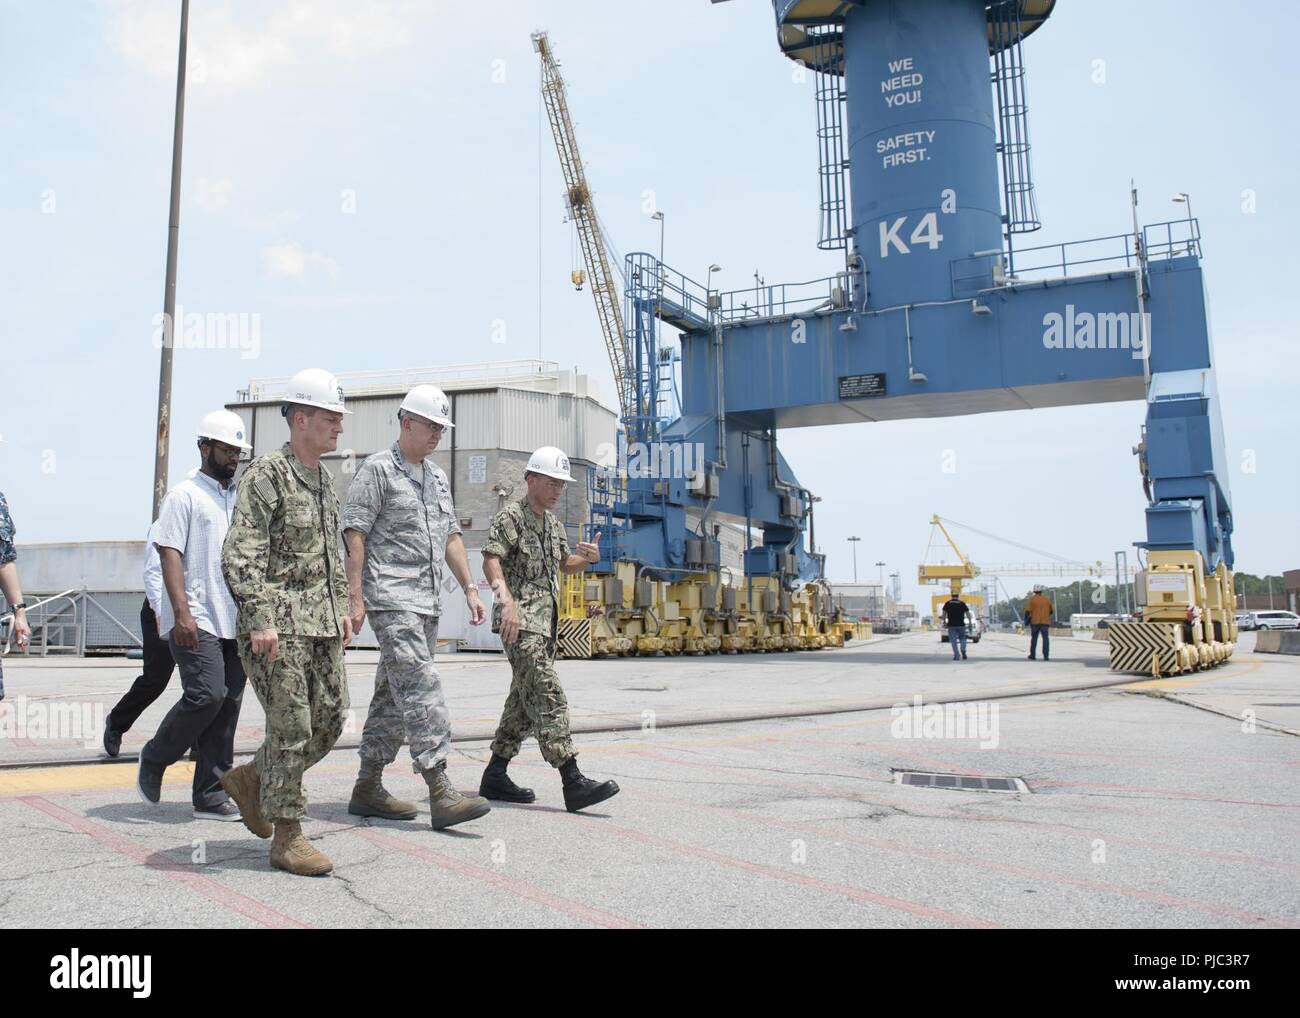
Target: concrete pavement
x=1143, y=811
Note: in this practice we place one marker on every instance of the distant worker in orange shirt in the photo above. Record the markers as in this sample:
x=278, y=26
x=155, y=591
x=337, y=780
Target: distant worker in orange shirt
x=1038, y=617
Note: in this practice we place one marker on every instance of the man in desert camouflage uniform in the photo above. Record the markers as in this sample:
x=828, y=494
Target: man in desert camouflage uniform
x=525, y=552
x=400, y=527
x=281, y=561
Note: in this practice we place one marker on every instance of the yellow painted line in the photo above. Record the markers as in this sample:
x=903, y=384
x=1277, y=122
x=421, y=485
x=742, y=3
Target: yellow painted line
x=91, y=777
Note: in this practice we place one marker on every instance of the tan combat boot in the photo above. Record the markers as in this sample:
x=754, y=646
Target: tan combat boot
x=446, y=805
x=293, y=853
x=371, y=799
x=243, y=784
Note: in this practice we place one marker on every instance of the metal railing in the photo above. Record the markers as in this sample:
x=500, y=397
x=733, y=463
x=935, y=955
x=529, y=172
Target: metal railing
x=42, y=620
x=1173, y=239
x=784, y=299
x=77, y=621
x=681, y=298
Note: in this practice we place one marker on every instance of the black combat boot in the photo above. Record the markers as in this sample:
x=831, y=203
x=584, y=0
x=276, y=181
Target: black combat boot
x=581, y=792
x=496, y=783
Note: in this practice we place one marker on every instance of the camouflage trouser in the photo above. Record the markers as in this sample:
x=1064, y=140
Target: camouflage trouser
x=408, y=705
x=536, y=704
x=304, y=693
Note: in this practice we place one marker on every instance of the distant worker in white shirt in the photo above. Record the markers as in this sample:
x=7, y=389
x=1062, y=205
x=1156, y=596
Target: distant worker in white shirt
x=197, y=617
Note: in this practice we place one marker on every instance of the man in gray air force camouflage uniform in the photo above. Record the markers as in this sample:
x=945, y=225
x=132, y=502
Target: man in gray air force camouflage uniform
x=400, y=527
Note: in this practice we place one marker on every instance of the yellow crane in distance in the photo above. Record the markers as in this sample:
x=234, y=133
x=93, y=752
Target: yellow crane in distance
x=952, y=573
x=609, y=309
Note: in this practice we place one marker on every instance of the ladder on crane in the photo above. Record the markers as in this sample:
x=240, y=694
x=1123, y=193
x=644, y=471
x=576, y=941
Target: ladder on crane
x=609, y=308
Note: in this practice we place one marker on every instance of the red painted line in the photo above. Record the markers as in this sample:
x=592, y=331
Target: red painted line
x=213, y=890
x=1024, y=872
x=519, y=888
x=802, y=880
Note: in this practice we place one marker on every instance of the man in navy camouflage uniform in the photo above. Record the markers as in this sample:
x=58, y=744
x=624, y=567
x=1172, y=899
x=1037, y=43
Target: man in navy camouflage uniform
x=282, y=564
x=525, y=552
x=400, y=528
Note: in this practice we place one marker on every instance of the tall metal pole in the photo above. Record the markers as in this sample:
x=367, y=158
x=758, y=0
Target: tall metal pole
x=169, y=288
x=853, y=543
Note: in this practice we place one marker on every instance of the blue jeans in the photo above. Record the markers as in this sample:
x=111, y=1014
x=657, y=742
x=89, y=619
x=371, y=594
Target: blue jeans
x=956, y=633
x=1034, y=633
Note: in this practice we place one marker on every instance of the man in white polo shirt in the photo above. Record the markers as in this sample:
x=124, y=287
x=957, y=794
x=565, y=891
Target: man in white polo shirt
x=157, y=656
x=197, y=617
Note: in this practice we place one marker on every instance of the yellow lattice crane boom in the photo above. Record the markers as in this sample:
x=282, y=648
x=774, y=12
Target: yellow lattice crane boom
x=603, y=289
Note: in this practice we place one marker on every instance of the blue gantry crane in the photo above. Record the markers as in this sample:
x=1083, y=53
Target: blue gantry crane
x=925, y=186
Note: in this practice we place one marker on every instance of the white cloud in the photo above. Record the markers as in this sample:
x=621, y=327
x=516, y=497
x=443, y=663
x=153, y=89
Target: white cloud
x=289, y=258
x=213, y=195
x=233, y=49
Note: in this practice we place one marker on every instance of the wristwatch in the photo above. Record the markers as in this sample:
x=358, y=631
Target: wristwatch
x=21, y=606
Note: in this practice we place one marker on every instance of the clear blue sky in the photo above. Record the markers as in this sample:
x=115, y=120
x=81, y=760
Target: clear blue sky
x=428, y=113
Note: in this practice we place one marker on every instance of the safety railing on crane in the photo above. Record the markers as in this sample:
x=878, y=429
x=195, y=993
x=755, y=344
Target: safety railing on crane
x=779, y=300
x=1176, y=238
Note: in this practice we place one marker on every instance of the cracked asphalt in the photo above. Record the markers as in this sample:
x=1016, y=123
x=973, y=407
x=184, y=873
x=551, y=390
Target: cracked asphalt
x=1161, y=804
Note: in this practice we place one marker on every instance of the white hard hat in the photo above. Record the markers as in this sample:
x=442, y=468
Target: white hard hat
x=551, y=462
x=316, y=387
x=430, y=402
x=1038, y=588
x=224, y=426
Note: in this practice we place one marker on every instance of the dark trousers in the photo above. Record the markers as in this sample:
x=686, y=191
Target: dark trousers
x=212, y=680
x=158, y=668
x=955, y=634
x=1034, y=633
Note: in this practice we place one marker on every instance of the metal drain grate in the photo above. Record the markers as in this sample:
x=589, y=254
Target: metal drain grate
x=960, y=782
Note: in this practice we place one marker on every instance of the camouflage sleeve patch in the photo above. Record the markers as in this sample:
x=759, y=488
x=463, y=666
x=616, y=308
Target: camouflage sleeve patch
x=265, y=488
